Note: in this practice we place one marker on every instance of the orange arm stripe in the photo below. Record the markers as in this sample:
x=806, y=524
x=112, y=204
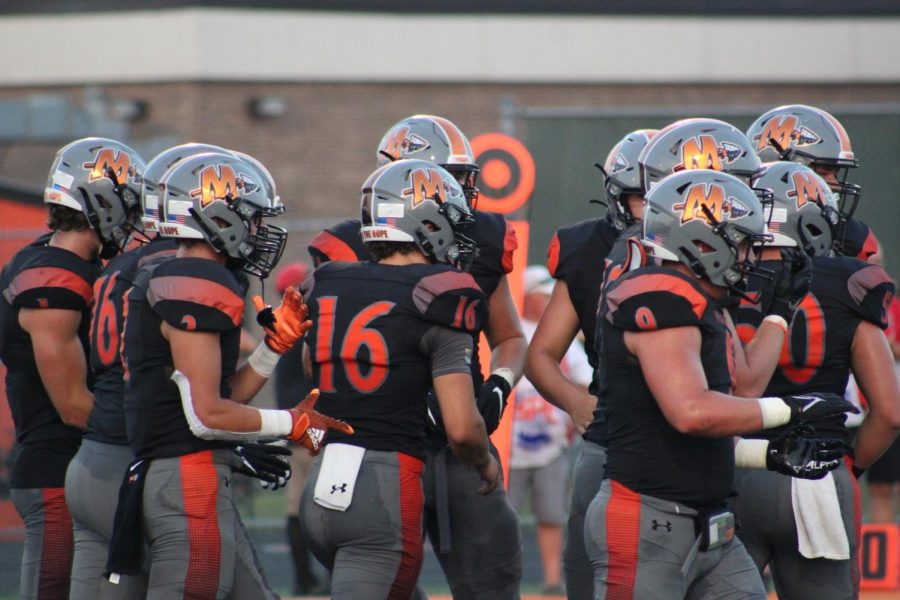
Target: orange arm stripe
x=553, y=255
x=50, y=277
x=870, y=246
x=198, y=291
x=333, y=247
x=657, y=282
x=510, y=243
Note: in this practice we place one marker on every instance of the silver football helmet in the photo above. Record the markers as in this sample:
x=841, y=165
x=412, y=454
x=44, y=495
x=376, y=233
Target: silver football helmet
x=420, y=202
x=156, y=168
x=100, y=178
x=697, y=144
x=623, y=176
x=803, y=211
x=702, y=218
x=221, y=199
x=435, y=139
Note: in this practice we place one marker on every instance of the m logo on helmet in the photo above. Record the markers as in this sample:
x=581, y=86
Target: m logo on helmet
x=704, y=152
x=220, y=182
x=807, y=188
x=425, y=184
x=784, y=131
x=717, y=205
x=111, y=158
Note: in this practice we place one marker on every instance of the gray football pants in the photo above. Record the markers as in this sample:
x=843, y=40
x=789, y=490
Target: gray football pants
x=589, y=468
x=92, y=493
x=640, y=547
x=47, y=556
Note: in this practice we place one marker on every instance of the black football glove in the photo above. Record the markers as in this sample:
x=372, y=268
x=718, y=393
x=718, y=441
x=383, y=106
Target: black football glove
x=816, y=406
x=793, y=452
x=491, y=401
x=266, y=462
x=791, y=284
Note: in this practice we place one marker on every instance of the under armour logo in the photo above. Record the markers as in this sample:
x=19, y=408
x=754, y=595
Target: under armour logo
x=656, y=525
x=339, y=488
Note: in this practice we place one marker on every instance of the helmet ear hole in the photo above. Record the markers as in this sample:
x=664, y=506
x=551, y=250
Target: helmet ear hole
x=703, y=247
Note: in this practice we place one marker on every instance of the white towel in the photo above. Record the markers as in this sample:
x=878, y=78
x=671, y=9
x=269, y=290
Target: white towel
x=337, y=476
x=820, y=526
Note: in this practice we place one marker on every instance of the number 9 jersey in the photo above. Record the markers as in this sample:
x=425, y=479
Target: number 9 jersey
x=380, y=334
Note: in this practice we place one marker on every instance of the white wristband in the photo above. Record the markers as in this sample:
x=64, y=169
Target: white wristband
x=778, y=321
x=751, y=453
x=774, y=412
x=275, y=423
x=506, y=374
x=263, y=360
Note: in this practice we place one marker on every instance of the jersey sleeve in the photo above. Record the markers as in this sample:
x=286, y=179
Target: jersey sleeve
x=653, y=300
x=195, y=297
x=52, y=281
x=870, y=291
x=576, y=247
x=452, y=299
x=497, y=243
x=340, y=242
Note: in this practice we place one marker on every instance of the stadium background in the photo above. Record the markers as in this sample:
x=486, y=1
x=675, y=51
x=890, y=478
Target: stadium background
x=309, y=87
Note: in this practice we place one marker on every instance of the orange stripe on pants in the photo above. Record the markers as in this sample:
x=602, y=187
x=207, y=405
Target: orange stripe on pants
x=56, y=547
x=199, y=488
x=411, y=501
x=623, y=526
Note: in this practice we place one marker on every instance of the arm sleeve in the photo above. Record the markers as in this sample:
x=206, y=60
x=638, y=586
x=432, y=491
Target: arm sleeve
x=450, y=351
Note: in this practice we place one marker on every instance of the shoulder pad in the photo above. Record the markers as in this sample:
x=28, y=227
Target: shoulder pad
x=571, y=244
x=51, y=278
x=451, y=298
x=340, y=242
x=650, y=299
x=194, y=296
x=157, y=250
x=496, y=241
x=871, y=291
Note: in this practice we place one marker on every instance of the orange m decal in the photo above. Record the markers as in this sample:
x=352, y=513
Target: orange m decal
x=393, y=145
x=425, y=184
x=713, y=196
x=701, y=152
x=807, y=188
x=109, y=158
x=778, y=128
x=216, y=183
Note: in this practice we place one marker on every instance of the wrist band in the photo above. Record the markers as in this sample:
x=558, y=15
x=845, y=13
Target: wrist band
x=774, y=412
x=777, y=320
x=506, y=374
x=263, y=360
x=275, y=423
x=751, y=453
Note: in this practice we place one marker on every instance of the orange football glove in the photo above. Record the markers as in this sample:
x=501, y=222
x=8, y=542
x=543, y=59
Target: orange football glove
x=287, y=323
x=310, y=426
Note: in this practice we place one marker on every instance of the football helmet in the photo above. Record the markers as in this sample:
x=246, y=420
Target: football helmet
x=267, y=180
x=417, y=201
x=434, y=139
x=801, y=207
x=810, y=136
x=701, y=218
x=221, y=199
x=697, y=144
x=156, y=168
x=623, y=176
x=100, y=178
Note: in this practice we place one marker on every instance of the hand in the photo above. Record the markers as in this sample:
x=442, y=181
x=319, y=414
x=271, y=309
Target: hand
x=797, y=453
x=266, y=462
x=582, y=412
x=792, y=284
x=490, y=475
x=816, y=406
x=491, y=401
x=285, y=324
x=310, y=427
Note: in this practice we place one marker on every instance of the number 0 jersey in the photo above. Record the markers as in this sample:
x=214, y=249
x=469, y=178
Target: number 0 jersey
x=40, y=277
x=191, y=294
x=816, y=355
x=375, y=345
x=644, y=452
x=107, y=421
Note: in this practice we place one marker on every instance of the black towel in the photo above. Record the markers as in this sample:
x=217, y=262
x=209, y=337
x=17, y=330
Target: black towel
x=126, y=548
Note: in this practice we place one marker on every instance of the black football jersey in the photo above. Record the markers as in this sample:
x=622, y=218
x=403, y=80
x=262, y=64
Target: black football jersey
x=368, y=322
x=339, y=242
x=859, y=240
x=816, y=355
x=644, y=452
x=191, y=294
x=107, y=420
x=40, y=277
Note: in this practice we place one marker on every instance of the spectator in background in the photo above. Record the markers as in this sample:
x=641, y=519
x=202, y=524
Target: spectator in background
x=539, y=462
x=291, y=386
x=883, y=476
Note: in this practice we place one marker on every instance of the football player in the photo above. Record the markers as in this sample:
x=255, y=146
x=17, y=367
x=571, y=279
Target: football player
x=475, y=565
x=185, y=397
x=386, y=331
x=94, y=184
x=836, y=330
x=660, y=526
